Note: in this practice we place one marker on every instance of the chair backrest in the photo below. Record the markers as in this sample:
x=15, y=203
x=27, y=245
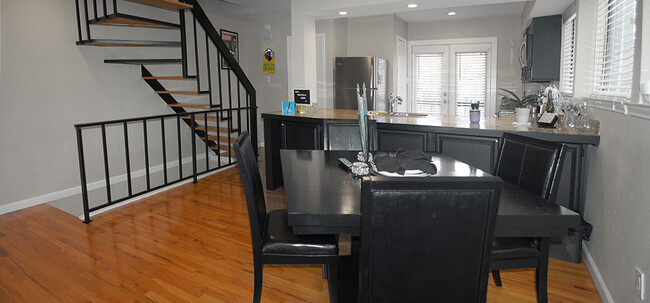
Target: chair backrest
x=253, y=189
x=532, y=164
x=345, y=135
x=427, y=239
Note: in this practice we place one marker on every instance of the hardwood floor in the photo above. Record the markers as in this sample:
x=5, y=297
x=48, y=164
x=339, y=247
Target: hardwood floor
x=188, y=244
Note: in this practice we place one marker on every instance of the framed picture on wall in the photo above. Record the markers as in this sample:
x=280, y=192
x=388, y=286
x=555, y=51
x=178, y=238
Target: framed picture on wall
x=231, y=39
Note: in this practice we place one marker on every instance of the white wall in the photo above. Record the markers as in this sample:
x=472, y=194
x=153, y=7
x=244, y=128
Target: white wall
x=506, y=29
x=336, y=45
x=48, y=84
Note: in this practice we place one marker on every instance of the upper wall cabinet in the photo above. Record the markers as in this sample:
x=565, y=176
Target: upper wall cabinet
x=541, y=50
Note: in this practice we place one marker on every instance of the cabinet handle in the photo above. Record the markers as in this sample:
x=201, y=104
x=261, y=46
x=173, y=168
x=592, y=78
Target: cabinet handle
x=521, y=53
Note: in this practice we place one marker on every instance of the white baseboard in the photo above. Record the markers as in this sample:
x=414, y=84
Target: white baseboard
x=605, y=296
x=69, y=192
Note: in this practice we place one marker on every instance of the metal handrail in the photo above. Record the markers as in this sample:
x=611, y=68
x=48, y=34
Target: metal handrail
x=125, y=141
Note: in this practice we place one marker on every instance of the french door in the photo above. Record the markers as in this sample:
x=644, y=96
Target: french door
x=447, y=78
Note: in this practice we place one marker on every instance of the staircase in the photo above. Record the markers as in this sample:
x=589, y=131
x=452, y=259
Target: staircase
x=228, y=90
x=203, y=85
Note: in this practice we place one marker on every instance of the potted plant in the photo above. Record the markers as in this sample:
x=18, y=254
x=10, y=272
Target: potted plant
x=521, y=105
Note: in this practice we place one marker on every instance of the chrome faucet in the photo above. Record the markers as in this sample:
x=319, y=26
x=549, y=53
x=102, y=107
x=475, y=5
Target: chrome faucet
x=392, y=100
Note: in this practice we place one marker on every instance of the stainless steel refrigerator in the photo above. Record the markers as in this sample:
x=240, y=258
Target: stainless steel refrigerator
x=351, y=71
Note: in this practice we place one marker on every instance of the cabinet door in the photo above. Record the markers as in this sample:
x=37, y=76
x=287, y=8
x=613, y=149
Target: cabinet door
x=392, y=140
x=480, y=152
x=297, y=135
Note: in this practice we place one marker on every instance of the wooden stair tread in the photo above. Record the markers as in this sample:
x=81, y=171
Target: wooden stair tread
x=129, y=20
x=130, y=43
x=143, y=61
x=222, y=130
x=206, y=106
x=166, y=4
x=201, y=118
x=180, y=92
x=222, y=139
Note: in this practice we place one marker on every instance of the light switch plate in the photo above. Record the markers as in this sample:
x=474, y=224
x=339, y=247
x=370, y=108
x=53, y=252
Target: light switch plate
x=640, y=283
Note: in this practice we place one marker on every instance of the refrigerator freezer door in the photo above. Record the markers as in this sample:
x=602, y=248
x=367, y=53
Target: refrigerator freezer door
x=351, y=71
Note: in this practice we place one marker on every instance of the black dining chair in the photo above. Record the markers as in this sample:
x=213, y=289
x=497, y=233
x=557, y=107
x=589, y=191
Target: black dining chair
x=427, y=239
x=534, y=165
x=273, y=239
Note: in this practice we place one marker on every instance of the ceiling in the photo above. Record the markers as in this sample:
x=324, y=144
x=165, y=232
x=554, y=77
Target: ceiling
x=427, y=10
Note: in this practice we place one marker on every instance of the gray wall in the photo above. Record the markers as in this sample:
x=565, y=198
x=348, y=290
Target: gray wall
x=336, y=45
x=506, y=29
x=48, y=84
x=617, y=202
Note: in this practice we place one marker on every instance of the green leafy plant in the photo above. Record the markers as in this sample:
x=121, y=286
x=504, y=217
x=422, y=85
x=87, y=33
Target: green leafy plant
x=515, y=100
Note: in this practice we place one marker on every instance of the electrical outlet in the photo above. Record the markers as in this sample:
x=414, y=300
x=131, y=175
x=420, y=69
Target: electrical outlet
x=640, y=284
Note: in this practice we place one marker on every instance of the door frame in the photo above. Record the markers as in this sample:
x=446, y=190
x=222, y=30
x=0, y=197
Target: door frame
x=491, y=100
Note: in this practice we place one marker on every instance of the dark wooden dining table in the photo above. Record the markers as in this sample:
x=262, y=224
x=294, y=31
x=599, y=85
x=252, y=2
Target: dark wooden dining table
x=324, y=198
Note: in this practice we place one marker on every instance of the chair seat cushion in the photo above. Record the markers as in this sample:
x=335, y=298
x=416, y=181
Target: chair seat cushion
x=280, y=240
x=513, y=248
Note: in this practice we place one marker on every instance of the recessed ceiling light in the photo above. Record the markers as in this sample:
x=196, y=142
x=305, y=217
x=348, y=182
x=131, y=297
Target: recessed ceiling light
x=343, y=13
x=451, y=13
x=412, y=5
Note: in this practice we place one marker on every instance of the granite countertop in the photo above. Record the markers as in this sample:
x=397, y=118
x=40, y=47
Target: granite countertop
x=505, y=123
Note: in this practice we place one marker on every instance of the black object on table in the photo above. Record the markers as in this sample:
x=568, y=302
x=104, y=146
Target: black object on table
x=322, y=198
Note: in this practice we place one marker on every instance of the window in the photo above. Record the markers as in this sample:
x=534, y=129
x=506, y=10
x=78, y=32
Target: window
x=471, y=81
x=428, y=76
x=568, y=55
x=615, y=31
x=449, y=75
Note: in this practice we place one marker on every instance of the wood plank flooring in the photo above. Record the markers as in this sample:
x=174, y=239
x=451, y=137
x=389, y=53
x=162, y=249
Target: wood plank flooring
x=188, y=244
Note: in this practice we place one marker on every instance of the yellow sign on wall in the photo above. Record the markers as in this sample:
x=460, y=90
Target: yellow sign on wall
x=269, y=62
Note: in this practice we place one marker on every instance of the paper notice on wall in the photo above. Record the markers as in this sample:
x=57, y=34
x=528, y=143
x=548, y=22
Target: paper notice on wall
x=269, y=62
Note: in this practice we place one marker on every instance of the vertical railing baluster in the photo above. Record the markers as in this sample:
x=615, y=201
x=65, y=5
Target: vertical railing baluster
x=219, y=114
x=248, y=117
x=146, y=153
x=196, y=180
x=128, y=158
x=82, y=176
x=76, y=3
x=87, y=18
x=230, y=126
x=107, y=174
x=164, y=148
x=207, y=56
x=238, y=108
x=196, y=58
x=180, y=156
x=114, y=6
x=105, y=8
x=207, y=156
x=219, y=71
x=95, y=8
x=253, y=118
x=181, y=17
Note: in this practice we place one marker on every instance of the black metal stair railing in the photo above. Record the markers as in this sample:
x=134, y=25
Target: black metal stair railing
x=115, y=150
x=231, y=100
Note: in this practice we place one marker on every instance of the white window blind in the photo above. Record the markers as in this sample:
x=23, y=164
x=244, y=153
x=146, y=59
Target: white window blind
x=568, y=55
x=428, y=83
x=615, y=48
x=471, y=81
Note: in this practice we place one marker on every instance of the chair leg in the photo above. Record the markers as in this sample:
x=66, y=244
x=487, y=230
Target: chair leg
x=333, y=279
x=324, y=271
x=497, y=277
x=259, y=271
x=542, y=272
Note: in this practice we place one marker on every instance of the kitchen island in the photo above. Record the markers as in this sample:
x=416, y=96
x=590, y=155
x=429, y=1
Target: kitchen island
x=476, y=144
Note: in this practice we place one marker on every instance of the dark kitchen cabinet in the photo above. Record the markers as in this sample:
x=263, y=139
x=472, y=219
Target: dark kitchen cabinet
x=480, y=152
x=299, y=135
x=393, y=140
x=541, y=51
